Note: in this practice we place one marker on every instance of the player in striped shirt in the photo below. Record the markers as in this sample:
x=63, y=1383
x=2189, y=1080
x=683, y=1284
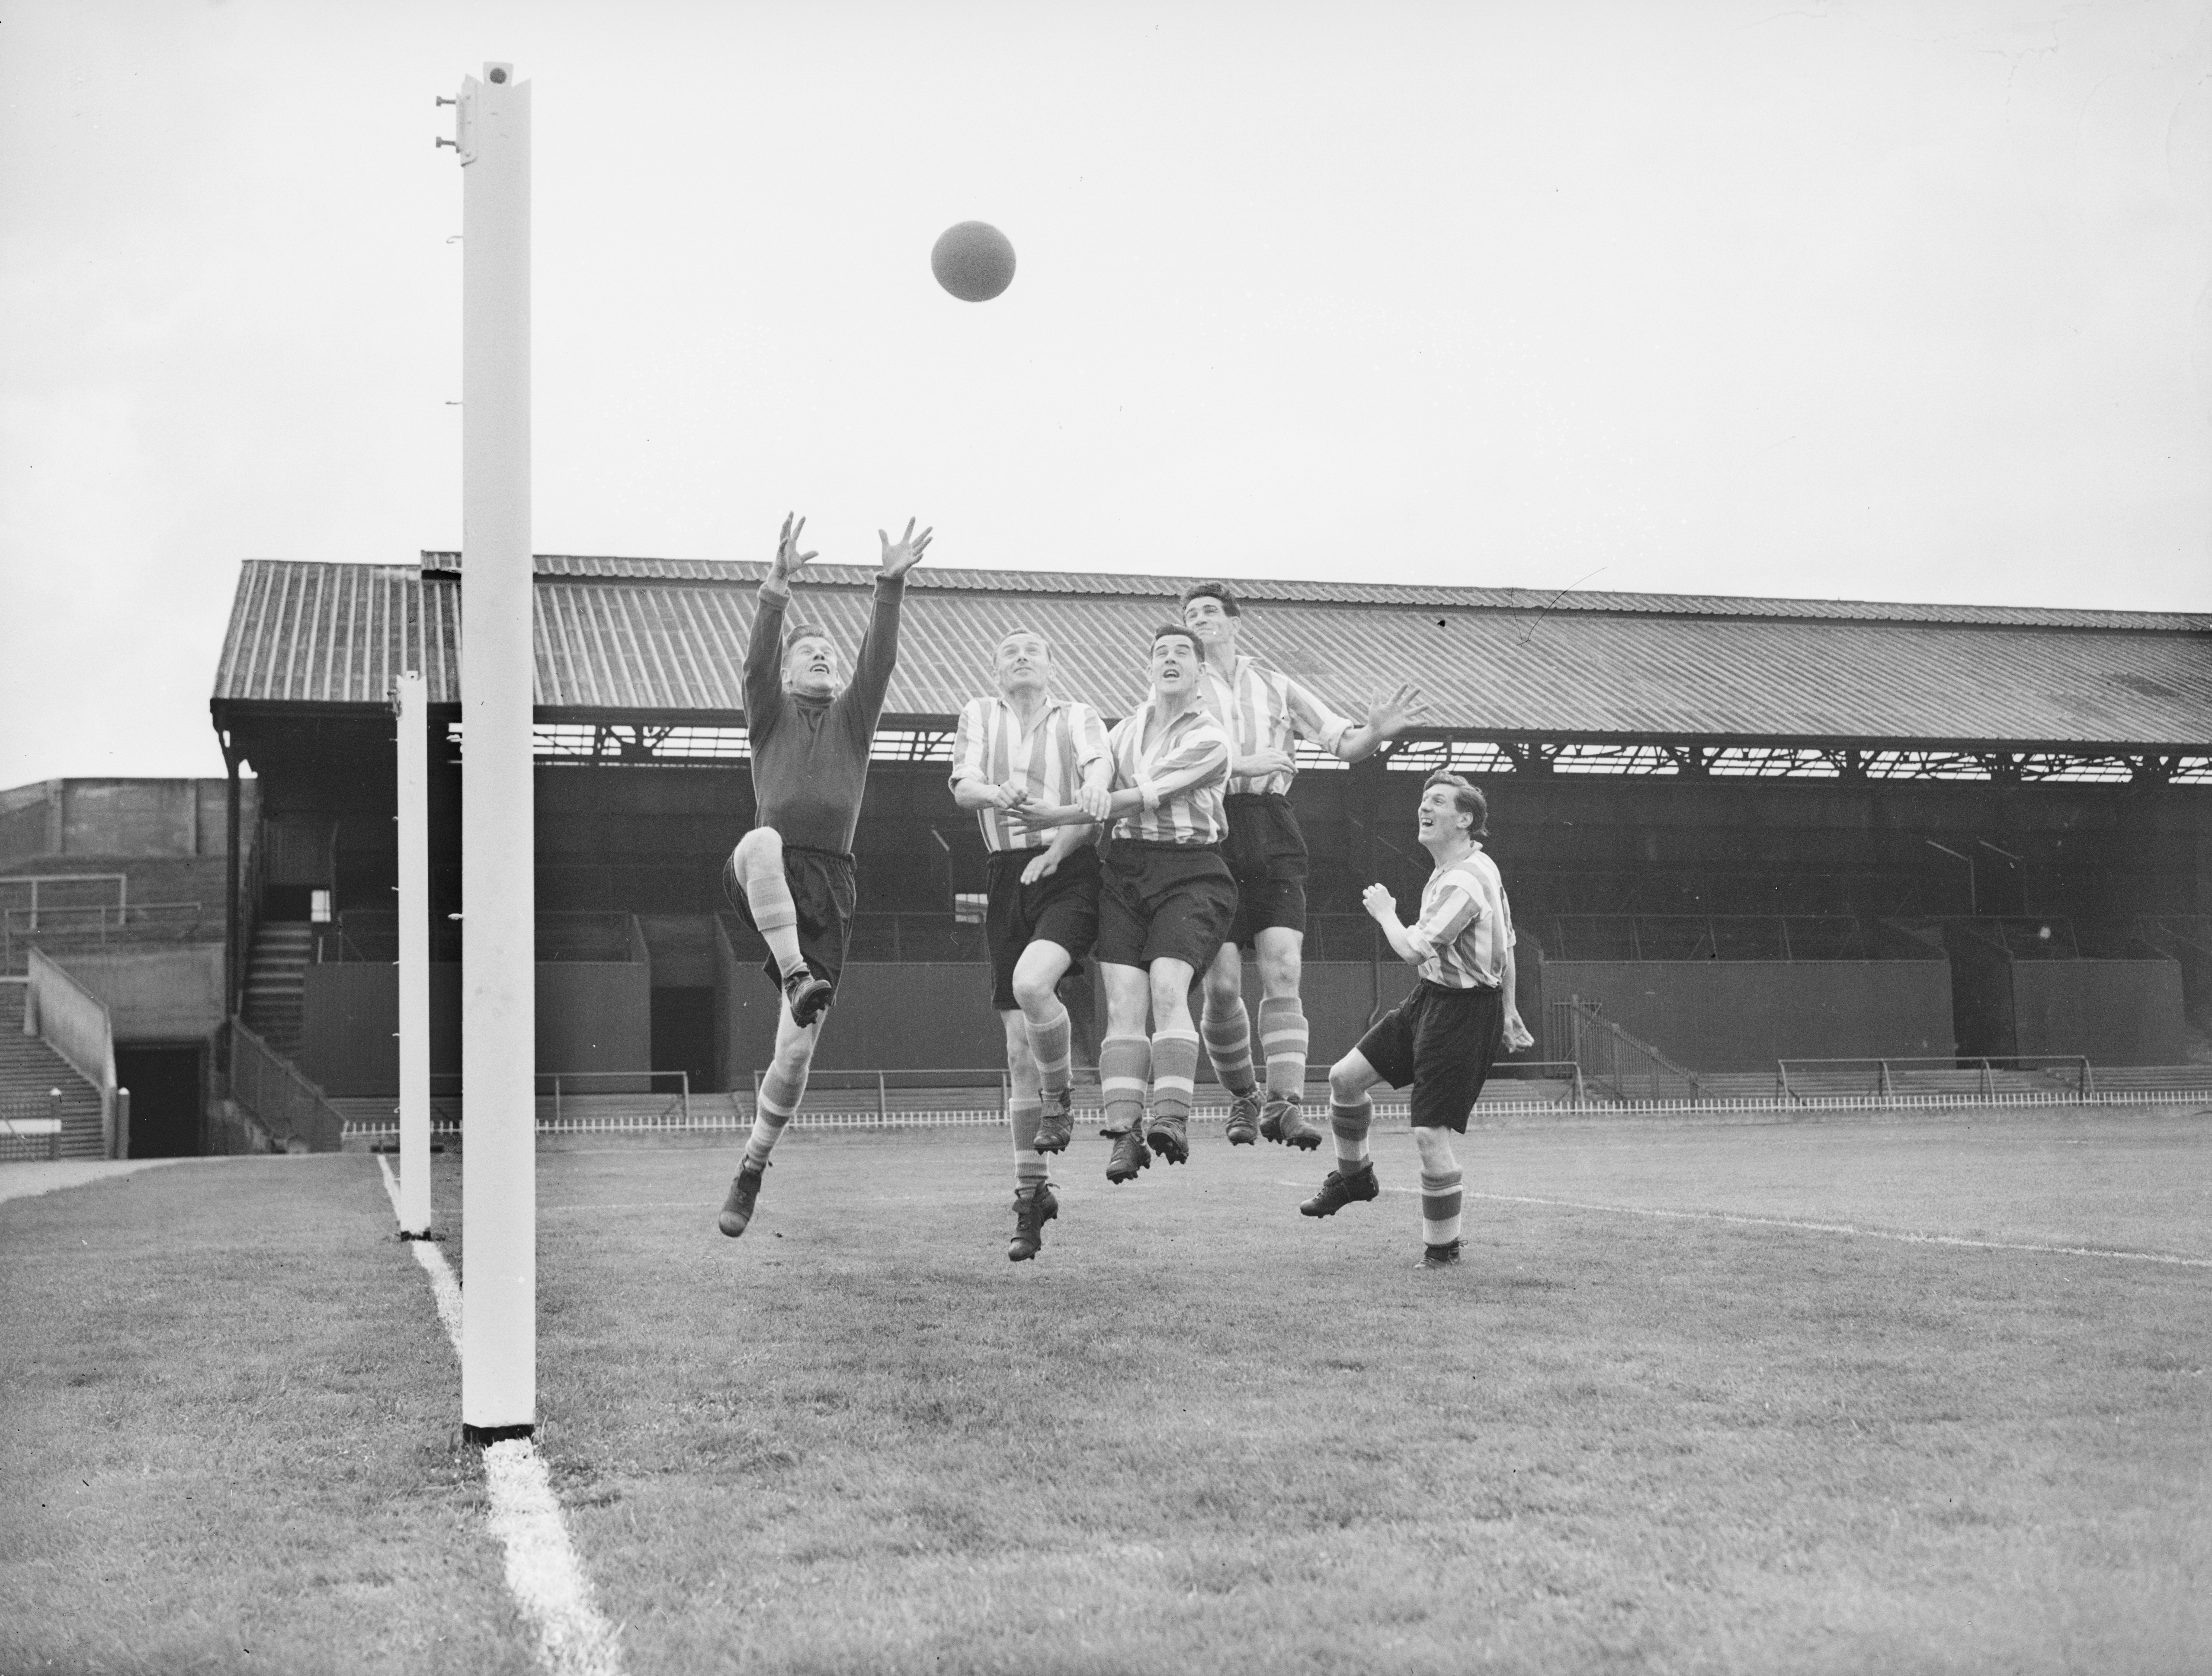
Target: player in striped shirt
x=1267, y=713
x=1444, y=1035
x=1028, y=746
x=1165, y=899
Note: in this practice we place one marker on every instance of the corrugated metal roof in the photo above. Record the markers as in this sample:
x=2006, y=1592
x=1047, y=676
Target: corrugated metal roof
x=667, y=644
x=941, y=579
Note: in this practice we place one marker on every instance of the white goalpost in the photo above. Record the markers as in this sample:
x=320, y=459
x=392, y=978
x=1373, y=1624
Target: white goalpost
x=412, y=747
x=499, y=1192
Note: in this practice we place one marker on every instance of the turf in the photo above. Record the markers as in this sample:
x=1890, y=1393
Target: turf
x=1199, y=1433
x=228, y=1437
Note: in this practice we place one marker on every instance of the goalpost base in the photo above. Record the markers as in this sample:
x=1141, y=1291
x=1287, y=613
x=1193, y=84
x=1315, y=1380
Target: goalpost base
x=483, y=1437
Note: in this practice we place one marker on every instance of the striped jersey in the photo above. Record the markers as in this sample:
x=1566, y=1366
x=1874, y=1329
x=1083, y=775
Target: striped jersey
x=1182, y=771
x=1265, y=710
x=1466, y=925
x=1048, y=760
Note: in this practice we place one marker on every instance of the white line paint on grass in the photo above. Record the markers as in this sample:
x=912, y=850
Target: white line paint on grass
x=1901, y=1236
x=443, y=1286
x=542, y=1571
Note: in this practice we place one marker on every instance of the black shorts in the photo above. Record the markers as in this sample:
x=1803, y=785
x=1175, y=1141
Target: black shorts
x=1266, y=856
x=1441, y=1041
x=824, y=890
x=1062, y=910
x=1163, y=902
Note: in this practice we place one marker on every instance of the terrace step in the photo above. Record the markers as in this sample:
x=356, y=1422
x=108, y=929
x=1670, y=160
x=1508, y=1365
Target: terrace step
x=30, y=1071
x=277, y=984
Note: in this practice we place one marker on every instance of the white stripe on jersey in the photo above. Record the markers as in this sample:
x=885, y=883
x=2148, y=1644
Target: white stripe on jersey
x=1048, y=760
x=1466, y=925
x=1264, y=709
x=1193, y=740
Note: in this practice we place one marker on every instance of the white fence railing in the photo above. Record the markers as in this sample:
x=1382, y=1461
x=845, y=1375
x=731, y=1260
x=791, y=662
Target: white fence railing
x=75, y=1024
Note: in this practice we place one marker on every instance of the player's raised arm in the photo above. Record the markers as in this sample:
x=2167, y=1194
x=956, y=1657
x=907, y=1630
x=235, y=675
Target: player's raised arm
x=878, y=653
x=788, y=560
x=1388, y=716
x=902, y=555
x=764, y=648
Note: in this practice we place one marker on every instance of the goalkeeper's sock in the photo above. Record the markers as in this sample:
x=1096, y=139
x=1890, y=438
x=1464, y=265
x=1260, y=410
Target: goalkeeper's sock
x=1021, y=1113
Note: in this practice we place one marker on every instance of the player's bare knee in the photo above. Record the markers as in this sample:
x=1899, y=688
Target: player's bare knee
x=1347, y=1080
x=761, y=848
x=1033, y=993
x=1223, y=991
x=1434, y=1145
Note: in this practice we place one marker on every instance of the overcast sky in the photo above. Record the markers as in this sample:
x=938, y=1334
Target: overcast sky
x=1892, y=301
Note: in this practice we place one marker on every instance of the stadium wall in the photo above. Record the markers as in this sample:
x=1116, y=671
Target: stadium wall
x=2112, y=1011
x=1722, y=1015
x=156, y=994
x=591, y=1016
x=118, y=817
x=648, y=839
x=926, y=1016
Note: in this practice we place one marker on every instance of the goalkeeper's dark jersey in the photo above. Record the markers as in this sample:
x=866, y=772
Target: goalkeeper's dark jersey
x=810, y=754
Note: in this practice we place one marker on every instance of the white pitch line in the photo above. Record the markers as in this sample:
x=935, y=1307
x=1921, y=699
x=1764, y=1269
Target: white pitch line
x=542, y=1571
x=1902, y=1237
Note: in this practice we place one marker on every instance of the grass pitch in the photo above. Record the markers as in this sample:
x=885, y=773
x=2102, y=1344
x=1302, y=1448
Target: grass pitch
x=1199, y=1433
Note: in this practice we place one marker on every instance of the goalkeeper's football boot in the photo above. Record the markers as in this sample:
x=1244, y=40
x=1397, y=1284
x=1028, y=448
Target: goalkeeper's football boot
x=1032, y=1209
x=1443, y=1256
x=745, y=1193
x=1056, y=1122
x=1244, y=1120
x=807, y=995
x=1291, y=1125
x=1338, y=1189
x=1129, y=1156
x=1170, y=1138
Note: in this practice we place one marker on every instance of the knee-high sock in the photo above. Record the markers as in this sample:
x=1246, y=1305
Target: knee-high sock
x=768, y=894
x=1021, y=1113
x=1283, y=1040
x=1124, y=1061
x=1349, y=1125
x=1228, y=1044
x=1440, y=1206
x=780, y=1091
x=1175, y=1069
x=1050, y=1046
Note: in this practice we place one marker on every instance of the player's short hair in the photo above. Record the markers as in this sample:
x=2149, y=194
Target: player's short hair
x=1467, y=796
x=801, y=631
x=1050, y=650
x=1181, y=633
x=1220, y=591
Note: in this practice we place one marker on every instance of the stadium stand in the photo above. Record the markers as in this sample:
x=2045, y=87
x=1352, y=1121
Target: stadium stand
x=1745, y=830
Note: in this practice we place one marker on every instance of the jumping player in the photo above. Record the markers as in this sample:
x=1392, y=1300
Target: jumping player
x=1266, y=711
x=1444, y=1035
x=791, y=877
x=1027, y=747
x=1165, y=899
